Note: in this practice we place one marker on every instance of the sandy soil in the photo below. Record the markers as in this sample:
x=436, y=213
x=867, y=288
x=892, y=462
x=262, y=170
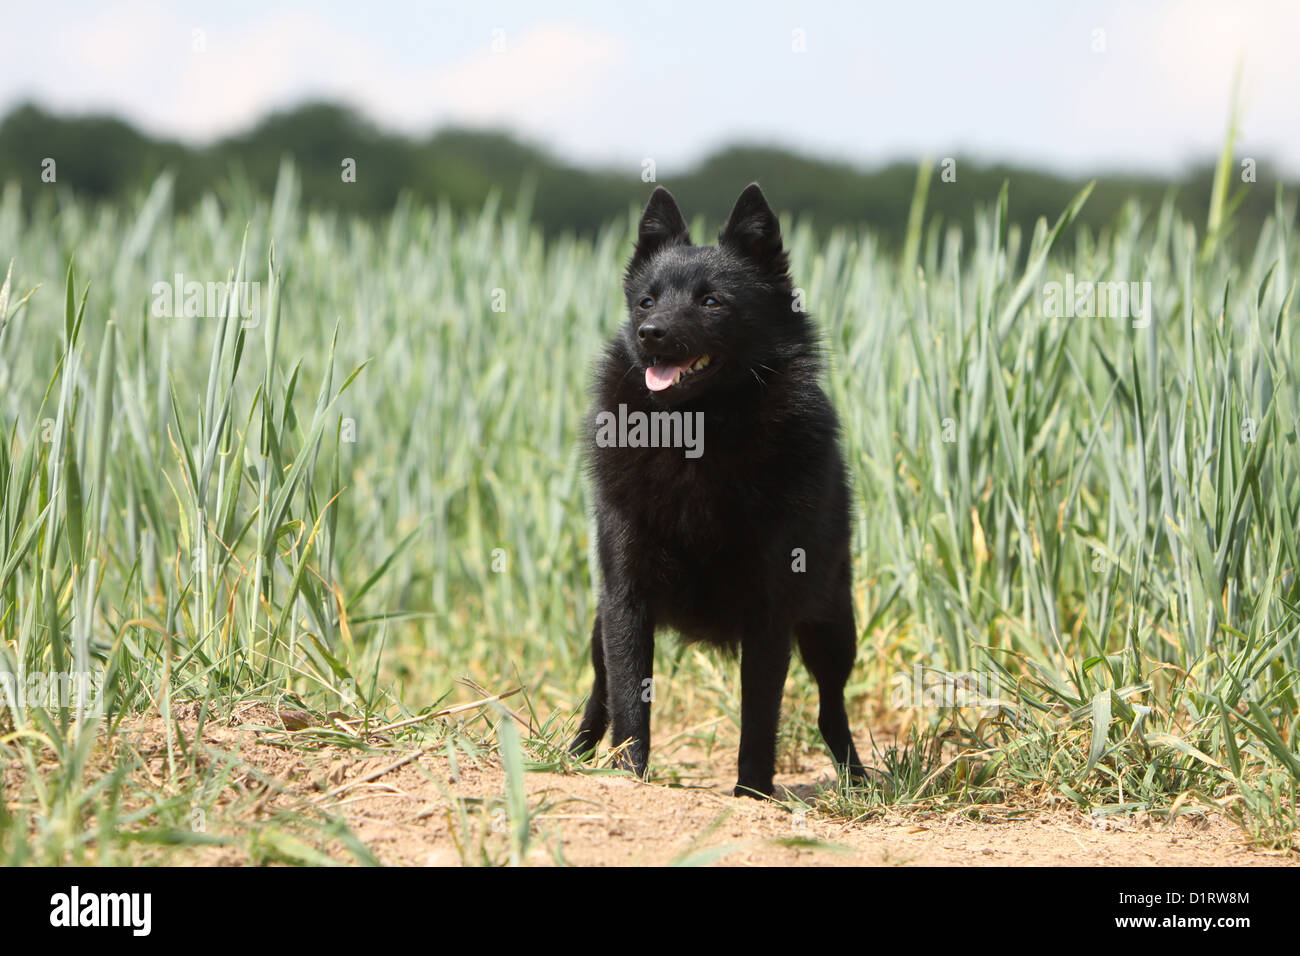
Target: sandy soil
x=412, y=807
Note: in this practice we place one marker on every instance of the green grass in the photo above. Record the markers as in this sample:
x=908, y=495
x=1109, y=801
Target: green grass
x=375, y=488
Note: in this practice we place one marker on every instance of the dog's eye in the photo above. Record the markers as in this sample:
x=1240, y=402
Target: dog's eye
x=712, y=302
x=647, y=303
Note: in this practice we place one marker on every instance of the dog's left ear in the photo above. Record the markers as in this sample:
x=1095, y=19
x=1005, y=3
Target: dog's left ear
x=753, y=231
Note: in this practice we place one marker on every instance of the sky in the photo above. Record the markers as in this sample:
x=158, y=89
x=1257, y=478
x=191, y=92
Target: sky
x=1079, y=87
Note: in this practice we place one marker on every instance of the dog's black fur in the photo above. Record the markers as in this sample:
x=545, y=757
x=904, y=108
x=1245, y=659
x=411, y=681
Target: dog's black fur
x=710, y=546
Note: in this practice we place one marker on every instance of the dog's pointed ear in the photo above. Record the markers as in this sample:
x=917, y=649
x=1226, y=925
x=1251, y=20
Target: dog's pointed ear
x=753, y=231
x=661, y=225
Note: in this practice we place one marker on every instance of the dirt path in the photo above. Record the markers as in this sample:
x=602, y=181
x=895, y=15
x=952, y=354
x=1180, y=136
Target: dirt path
x=426, y=811
x=616, y=821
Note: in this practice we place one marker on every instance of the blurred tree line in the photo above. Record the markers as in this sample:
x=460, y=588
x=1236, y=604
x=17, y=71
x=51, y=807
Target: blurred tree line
x=106, y=159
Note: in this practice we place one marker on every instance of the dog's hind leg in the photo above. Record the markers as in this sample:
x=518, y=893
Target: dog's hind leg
x=595, y=719
x=828, y=649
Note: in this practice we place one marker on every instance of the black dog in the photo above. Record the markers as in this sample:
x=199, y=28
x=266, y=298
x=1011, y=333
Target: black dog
x=742, y=538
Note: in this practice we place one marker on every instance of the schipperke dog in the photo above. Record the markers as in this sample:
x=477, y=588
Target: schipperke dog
x=740, y=538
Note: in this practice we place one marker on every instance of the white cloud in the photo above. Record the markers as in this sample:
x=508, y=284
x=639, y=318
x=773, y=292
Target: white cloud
x=1167, y=91
x=1014, y=82
x=138, y=57
x=554, y=72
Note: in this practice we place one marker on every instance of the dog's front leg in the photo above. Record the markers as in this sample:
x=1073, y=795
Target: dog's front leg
x=627, y=629
x=764, y=662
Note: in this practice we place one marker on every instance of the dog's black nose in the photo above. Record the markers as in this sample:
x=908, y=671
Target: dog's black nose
x=651, y=331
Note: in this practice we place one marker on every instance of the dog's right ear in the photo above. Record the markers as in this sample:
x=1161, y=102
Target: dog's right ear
x=661, y=225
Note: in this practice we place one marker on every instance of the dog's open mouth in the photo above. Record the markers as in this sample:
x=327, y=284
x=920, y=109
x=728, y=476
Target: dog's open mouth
x=664, y=374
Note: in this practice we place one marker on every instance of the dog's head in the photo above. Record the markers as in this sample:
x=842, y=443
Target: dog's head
x=703, y=318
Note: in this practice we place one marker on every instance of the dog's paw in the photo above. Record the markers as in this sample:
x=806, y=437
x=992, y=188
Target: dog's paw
x=856, y=777
x=757, y=791
x=633, y=765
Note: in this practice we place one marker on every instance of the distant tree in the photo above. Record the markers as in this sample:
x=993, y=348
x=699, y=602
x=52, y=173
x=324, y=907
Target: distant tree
x=346, y=163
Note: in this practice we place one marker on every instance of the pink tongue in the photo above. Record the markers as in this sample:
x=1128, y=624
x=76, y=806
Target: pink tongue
x=659, y=377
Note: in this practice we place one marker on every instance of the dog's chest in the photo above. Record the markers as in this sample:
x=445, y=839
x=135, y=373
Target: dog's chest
x=691, y=535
